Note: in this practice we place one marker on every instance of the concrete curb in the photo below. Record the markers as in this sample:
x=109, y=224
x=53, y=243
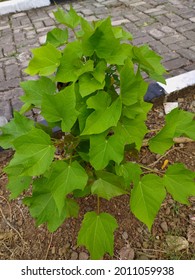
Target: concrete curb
x=179, y=82
x=14, y=6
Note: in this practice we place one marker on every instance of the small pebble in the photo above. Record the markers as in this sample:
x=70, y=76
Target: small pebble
x=74, y=256
x=125, y=235
x=83, y=256
x=168, y=211
x=164, y=226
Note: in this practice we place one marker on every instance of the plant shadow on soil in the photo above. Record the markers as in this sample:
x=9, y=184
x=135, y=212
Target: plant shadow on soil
x=20, y=239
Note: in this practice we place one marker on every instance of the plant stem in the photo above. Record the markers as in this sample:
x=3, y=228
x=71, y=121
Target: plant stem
x=150, y=169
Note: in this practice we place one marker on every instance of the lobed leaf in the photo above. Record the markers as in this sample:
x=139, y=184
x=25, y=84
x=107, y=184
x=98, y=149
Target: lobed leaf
x=150, y=62
x=70, y=18
x=146, y=198
x=179, y=182
x=62, y=179
x=57, y=37
x=34, y=152
x=71, y=65
x=132, y=130
x=35, y=90
x=43, y=208
x=103, y=149
x=17, y=183
x=132, y=86
x=106, y=190
x=102, y=119
x=45, y=61
x=18, y=126
x=96, y=234
x=61, y=107
x=178, y=123
x=130, y=171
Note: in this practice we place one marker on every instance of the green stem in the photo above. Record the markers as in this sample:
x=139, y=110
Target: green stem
x=150, y=169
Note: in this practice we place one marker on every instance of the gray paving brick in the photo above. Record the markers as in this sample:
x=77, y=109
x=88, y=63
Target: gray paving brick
x=158, y=47
x=176, y=63
x=173, y=39
x=143, y=40
x=167, y=29
x=190, y=35
x=186, y=27
x=157, y=34
x=6, y=85
x=170, y=56
x=187, y=53
x=12, y=71
x=132, y=17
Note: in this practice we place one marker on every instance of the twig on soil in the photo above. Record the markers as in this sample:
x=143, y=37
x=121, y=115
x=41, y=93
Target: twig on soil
x=2, y=197
x=8, y=223
x=48, y=248
x=159, y=159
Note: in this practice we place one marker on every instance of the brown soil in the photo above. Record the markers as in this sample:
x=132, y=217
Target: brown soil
x=20, y=239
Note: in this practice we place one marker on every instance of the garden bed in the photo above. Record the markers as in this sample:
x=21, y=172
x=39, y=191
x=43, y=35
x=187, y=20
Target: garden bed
x=175, y=223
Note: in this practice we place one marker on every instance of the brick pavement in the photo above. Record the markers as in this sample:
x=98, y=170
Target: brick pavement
x=168, y=26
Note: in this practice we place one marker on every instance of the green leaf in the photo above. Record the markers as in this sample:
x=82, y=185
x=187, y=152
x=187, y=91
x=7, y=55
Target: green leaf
x=16, y=183
x=130, y=171
x=100, y=120
x=131, y=131
x=44, y=209
x=132, y=86
x=71, y=65
x=106, y=189
x=88, y=84
x=57, y=37
x=146, y=198
x=99, y=71
x=96, y=234
x=111, y=178
x=45, y=61
x=34, y=151
x=179, y=182
x=141, y=109
x=120, y=33
x=35, y=90
x=61, y=180
x=100, y=101
x=103, y=149
x=61, y=107
x=103, y=42
x=70, y=18
x=150, y=62
x=178, y=123
x=18, y=126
